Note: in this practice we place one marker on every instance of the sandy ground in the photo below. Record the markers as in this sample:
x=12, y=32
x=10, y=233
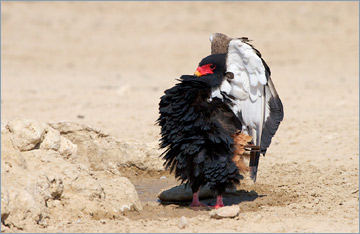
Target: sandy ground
x=107, y=64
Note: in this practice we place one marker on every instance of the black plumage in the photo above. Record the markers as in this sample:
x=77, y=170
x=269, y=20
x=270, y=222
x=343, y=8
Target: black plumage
x=196, y=130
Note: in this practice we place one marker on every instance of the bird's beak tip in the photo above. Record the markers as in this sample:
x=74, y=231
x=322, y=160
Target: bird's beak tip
x=197, y=73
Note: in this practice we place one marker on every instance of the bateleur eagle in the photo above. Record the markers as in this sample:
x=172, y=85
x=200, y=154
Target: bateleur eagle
x=202, y=115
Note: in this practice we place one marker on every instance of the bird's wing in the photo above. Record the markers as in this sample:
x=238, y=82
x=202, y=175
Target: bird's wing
x=247, y=88
x=254, y=99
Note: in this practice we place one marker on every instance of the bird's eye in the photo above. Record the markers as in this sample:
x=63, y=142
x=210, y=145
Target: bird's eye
x=212, y=66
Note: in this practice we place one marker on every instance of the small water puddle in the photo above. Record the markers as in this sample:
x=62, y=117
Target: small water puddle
x=149, y=184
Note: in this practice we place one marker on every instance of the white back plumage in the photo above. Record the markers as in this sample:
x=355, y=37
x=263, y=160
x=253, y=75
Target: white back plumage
x=246, y=88
x=253, y=97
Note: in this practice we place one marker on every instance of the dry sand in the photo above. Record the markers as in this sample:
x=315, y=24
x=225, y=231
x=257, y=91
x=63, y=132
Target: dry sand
x=106, y=65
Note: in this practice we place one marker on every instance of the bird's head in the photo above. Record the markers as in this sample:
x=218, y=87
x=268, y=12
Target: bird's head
x=212, y=65
x=212, y=70
x=210, y=73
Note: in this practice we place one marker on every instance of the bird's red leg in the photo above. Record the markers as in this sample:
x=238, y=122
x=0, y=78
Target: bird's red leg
x=195, y=201
x=219, y=202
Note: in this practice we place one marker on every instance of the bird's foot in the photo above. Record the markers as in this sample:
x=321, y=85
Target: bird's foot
x=217, y=206
x=219, y=202
x=197, y=204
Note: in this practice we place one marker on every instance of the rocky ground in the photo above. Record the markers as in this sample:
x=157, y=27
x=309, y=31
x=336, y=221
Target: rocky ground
x=80, y=86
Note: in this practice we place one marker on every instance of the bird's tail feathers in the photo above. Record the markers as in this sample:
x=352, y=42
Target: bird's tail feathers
x=254, y=162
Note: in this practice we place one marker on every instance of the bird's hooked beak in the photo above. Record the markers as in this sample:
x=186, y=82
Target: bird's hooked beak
x=197, y=72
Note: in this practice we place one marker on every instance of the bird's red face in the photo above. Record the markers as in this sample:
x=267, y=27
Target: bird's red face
x=205, y=70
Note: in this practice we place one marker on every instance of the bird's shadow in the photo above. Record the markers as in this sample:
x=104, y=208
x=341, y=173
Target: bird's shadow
x=229, y=198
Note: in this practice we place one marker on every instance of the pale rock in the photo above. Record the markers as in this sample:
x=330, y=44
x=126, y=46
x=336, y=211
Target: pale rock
x=26, y=134
x=104, y=198
x=38, y=180
x=128, y=199
x=100, y=151
x=25, y=208
x=144, y=156
x=51, y=140
x=67, y=148
x=225, y=212
x=88, y=188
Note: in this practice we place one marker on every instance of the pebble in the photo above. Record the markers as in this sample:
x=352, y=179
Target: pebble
x=225, y=212
x=183, y=222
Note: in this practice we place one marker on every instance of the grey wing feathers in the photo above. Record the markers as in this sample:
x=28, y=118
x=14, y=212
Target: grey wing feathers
x=274, y=116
